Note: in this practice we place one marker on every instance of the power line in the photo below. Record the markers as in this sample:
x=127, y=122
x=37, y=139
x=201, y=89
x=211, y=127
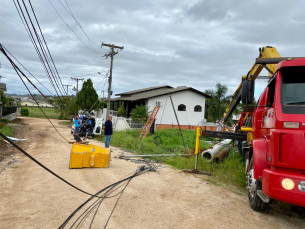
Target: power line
x=48, y=35
x=40, y=55
x=19, y=71
x=55, y=46
x=43, y=39
x=28, y=72
x=72, y=29
x=34, y=74
x=70, y=12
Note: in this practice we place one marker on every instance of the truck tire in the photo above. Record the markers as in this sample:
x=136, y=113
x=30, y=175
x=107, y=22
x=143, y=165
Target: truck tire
x=255, y=201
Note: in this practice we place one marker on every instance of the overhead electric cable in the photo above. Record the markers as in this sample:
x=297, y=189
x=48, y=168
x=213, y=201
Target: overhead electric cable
x=71, y=28
x=17, y=71
x=27, y=71
x=3, y=49
x=70, y=12
x=34, y=44
x=49, y=36
x=55, y=46
x=45, y=43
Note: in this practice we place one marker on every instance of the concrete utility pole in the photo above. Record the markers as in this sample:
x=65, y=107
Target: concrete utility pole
x=77, y=79
x=67, y=88
x=111, y=54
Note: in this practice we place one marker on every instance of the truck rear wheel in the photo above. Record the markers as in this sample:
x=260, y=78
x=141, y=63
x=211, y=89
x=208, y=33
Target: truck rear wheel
x=256, y=203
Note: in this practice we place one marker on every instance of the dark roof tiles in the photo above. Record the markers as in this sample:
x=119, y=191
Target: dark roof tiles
x=154, y=92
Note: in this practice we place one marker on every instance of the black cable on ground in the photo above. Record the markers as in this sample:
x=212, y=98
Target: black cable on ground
x=109, y=189
x=82, y=205
x=116, y=203
x=92, y=206
x=50, y=171
x=97, y=204
x=157, y=140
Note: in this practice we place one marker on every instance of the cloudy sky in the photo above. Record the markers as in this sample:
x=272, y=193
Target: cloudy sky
x=195, y=43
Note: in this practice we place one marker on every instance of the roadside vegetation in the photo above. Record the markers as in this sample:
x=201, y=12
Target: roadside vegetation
x=5, y=129
x=35, y=112
x=229, y=173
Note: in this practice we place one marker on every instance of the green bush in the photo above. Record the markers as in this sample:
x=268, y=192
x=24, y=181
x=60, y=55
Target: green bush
x=24, y=111
x=63, y=117
x=139, y=114
x=4, y=120
x=2, y=125
x=121, y=111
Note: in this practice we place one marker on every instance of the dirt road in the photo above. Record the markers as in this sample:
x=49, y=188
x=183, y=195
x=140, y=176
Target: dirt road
x=30, y=197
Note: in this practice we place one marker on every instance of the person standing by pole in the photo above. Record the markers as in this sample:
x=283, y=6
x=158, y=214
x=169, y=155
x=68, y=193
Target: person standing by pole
x=108, y=131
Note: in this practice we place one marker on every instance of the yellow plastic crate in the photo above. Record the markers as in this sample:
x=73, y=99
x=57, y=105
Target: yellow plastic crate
x=89, y=156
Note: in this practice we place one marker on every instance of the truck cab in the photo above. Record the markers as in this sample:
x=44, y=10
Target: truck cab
x=276, y=168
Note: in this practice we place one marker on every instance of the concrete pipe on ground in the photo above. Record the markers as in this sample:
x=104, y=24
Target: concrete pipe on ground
x=221, y=155
x=210, y=153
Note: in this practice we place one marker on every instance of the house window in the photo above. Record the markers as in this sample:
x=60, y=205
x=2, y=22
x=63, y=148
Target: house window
x=197, y=108
x=181, y=107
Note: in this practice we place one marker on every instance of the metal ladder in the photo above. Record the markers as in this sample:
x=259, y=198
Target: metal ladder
x=149, y=122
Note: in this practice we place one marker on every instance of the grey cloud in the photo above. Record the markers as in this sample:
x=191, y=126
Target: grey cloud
x=192, y=43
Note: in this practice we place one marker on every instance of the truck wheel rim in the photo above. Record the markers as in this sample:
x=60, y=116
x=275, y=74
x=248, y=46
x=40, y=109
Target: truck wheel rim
x=251, y=183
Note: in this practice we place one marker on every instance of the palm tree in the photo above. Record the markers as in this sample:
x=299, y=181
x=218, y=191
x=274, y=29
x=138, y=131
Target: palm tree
x=217, y=104
x=139, y=114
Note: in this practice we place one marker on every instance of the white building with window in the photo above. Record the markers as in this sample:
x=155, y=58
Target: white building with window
x=189, y=104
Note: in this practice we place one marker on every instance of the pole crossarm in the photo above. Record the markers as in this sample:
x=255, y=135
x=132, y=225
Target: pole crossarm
x=77, y=79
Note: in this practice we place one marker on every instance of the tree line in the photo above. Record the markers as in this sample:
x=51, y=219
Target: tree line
x=216, y=106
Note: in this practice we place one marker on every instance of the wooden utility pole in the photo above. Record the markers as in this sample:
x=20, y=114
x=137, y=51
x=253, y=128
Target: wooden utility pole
x=67, y=88
x=77, y=79
x=111, y=54
x=178, y=123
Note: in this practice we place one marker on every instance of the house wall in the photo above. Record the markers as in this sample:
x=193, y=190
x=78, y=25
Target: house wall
x=189, y=98
x=31, y=104
x=28, y=104
x=45, y=105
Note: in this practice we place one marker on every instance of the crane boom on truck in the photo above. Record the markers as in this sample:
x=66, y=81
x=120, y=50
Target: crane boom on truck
x=275, y=137
x=265, y=52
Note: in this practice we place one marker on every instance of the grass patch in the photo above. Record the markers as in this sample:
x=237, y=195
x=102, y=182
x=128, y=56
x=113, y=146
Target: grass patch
x=7, y=131
x=171, y=141
x=230, y=172
x=35, y=112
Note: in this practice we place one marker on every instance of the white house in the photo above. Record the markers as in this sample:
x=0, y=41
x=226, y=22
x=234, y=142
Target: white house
x=189, y=104
x=33, y=104
x=28, y=104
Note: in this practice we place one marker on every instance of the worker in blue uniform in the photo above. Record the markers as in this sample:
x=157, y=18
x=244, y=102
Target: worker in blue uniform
x=108, y=131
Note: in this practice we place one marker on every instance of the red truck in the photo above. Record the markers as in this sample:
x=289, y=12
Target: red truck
x=275, y=149
x=276, y=168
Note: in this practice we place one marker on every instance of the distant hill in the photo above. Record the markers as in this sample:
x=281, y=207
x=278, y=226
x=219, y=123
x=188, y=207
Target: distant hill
x=37, y=96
